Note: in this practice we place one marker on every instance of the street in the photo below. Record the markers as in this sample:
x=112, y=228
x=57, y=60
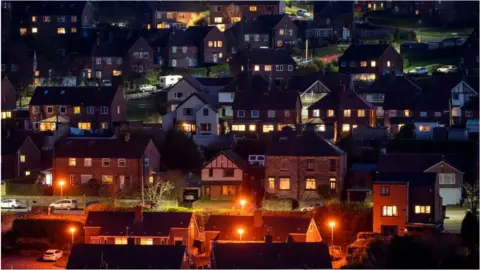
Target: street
x=454, y=215
x=26, y=262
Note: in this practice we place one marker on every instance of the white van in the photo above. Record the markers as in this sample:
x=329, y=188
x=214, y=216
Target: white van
x=166, y=81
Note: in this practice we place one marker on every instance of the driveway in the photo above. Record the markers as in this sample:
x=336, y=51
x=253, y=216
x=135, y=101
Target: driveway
x=455, y=216
x=26, y=262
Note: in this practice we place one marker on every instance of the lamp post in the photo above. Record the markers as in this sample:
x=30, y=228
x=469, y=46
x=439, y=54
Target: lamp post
x=332, y=225
x=240, y=232
x=61, y=183
x=242, y=203
x=72, y=230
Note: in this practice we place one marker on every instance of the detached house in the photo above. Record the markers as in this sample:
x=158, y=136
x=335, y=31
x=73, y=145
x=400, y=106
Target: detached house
x=331, y=20
x=368, y=61
x=296, y=165
x=86, y=108
x=20, y=155
x=9, y=98
x=168, y=14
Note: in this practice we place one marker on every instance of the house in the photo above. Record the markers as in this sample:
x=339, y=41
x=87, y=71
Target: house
x=461, y=92
x=86, y=108
x=194, y=115
x=367, y=31
x=339, y=112
x=297, y=166
x=20, y=155
x=449, y=171
x=118, y=58
x=359, y=181
x=225, y=229
x=275, y=64
x=9, y=98
x=331, y=20
x=368, y=61
x=175, y=14
x=264, y=31
x=225, y=13
x=470, y=55
x=118, y=163
x=403, y=200
x=210, y=43
x=17, y=63
x=222, y=176
x=270, y=256
x=45, y=19
x=470, y=115
x=88, y=256
x=255, y=112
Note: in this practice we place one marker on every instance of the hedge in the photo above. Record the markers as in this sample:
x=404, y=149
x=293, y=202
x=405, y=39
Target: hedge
x=277, y=205
x=25, y=189
x=56, y=230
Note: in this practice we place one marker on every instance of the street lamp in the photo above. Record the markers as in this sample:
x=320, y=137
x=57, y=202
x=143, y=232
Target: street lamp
x=242, y=203
x=61, y=183
x=332, y=225
x=72, y=230
x=240, y=232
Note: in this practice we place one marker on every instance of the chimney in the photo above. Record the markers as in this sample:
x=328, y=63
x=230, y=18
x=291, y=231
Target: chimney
x=257, y=219
x=127, y=137
x=138, y=214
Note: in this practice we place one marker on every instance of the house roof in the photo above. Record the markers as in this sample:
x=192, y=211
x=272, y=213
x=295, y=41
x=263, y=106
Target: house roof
x=207, y=81
x=80, y=95
x=271, y=256
x=249, y=82
x=198, y=33
x=11, y=144
x=413, y=163
x=55, y=8
x=364, y=52
x=90, y=256
x=94, y=147
x=343, y=99
x=412, y=178
x=309, y=144
x=273, y=100
x=230, y=154
x=117, y=47
x=266, y=56
x=391, y=83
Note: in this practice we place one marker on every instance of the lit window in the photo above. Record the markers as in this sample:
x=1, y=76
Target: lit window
x=219, y=43
x=76, y=110
x=354, y=126
x=241, y=68
x=22, y=158
x=27, y=173
x=23, y=31
x=422, y=209
x=121, y=162
x=120, y=240
x=257, y=68
x=218, y=19
x=330, y=113
x=345, y=127
x=361, y=113
x=279, y=43
x=229, y=190
x=210, y=44
x=238, y=127
x=363, y=63
x=388, y=63
x=73, y=30
x=235, y=19
x=34, y=30
x=281, y=32
x=107, y=179
x=117, y=72
x=389, y=211
x=72, y=162
x=347, y=113
x=384, y=190
x=333, y=183
x=407, y=113
x=310, y=184
x=271, y=183
x=316, y=113
x=146, y=241
x=373, y=64
x=252, y=127
x=253, y=8
x=417, y=12
x=267, y=128
x=37, y=73
x=60, y=30
x=34, y=18
x=84, y=125
x=87, y=162
x=268, y=68
x=150, y=179
x=105, y=162
x=284, y=183
x=321, y=128
x=104, y=125
x=425, y=128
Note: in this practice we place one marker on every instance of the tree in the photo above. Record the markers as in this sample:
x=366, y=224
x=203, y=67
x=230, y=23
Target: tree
x=152, y=77
x=23, y=91
x=157, y=192
x=232, y=13
x=471, y=191
x=469, y=231
x=406, y=132
x=180, y=152
x=324, y=191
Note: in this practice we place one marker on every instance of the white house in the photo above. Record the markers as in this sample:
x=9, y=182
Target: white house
x=459, y=95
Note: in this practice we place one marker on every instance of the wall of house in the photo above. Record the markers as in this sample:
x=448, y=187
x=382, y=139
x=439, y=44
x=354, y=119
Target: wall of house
x=181, y=87
x=218, y=165
x=152, y=153
x=464, y=93
x=118, y=107
x=89, y=232
x=193, y=103
x=209, y=52
x=396, y=62
x=181, y=57
x=9, y=95
x=421, y=195
x=140, y=45
x=425, y=134
x=313, y=235
x=398, y=197
x=211, y=118
x=107, y=69
x=284, y=23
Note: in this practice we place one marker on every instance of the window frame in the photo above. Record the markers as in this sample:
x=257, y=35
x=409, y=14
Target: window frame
x=310, y=179
x=121, y=160
x=284, y=178
x=384, y=191
x=105, y=162
x=384, y=211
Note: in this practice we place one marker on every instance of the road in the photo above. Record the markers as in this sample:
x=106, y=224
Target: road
x=454, y=221
x=78, y=211
x=26, y=262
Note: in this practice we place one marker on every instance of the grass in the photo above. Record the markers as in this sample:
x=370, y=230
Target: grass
x=445, y=32
x=142, y=109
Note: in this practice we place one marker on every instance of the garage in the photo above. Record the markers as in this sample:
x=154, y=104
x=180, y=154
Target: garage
x=451, y=195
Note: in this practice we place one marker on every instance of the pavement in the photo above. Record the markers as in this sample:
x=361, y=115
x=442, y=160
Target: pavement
x=26, y=262
x=455, y=216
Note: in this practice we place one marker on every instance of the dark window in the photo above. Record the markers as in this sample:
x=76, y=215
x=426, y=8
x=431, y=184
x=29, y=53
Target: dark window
x=456, y=96
x=384, y=190
x=333, y=165
x=205, y=127
x=228, y=172
x=187, y=111
x=310, y=165
x=210, y=172
x=205, y=112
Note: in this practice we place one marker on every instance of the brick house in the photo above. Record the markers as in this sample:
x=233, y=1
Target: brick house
x=9, y=98
x=222, y=176
x=20, y=155
x=210, y=43
x=225, y=13
x=296, y=165
x=150, y=228
x=265, y=31
x=368, y=61
x=175, y=14
x=276, y=64
x=331, y=20
x=224, y=229
x=86, y=108
x=17, y=62
x=118, y=163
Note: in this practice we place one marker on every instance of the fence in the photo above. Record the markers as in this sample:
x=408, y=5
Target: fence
x=25, y=189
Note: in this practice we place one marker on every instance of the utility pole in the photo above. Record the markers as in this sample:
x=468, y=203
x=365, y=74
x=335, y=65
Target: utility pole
x=306, y=49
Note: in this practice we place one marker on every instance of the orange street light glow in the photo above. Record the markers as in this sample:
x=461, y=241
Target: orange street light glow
x=331, y=224
x=240, y=232
x=243, y=202
x=72, y=230
x=61, y=183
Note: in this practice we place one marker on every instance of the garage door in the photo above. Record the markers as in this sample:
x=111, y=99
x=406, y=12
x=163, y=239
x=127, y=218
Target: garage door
x=450, y=195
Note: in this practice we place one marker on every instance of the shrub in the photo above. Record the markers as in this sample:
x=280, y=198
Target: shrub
x=98, y=207
x=277, y=205
x=25, y=189
x=56, y=230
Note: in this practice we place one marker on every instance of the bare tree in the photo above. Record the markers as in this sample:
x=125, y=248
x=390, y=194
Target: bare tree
x=232, y=13
x=158, y=191
x=471, y=191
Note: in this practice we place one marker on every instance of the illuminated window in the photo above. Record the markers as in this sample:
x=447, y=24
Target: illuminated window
x=347, y=113
x=284, y=183
x=310, y=184
x=45, y=126
x=104, y=125
x=424, y=128
x=253, y=8
x=373, y=64
x=241, y=68
x=120, y=240
x=330, y=113
x=34, y=18
x=34, y=30
x=76, y=110
x=218, y=19
x=345, y=127
x=388, y=63
x=107, y=179
x=150, y=179
x=407, y=113
x=84, y=125
x=267, y=128
x=321, y=128
x=73, y=30
x=72, y=162
x=146, y=241
x=417, y=12
x=271, y=183
x=281, y=32
x=252, y=127
x=389, y=211
x=256, y=68
x=268, y=68
x=27, y=173
x=229, y=190
x=60, y=30
x=23, y=31
x=238, y=127
x=235, y=19
x=354, y=126
x=422, y=209
x=361, y=113
x=210, y=44
x=219, y=44
x=117, y=73
x=279, y=43
x=22, y=158
x=87, y=162
x=363, y=63
x=333, y=183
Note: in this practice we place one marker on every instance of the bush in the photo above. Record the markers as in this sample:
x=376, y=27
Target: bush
x=25, y=189
x=98, y=207
x=277, y=205
x=219, y=68
x=55, y=230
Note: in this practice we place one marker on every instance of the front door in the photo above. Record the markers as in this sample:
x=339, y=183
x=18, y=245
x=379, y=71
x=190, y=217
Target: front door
x=207, y=192
x=389, y=230
x=215, y=58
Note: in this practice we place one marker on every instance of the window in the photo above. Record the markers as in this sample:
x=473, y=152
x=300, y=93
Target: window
x=206, y=127
x=76, y=110
x=252, y=127
x=84, y=178
x=34, y=30
x=228, y=172
x=347, y=113
x=389, y=211
x=267, y=128
x=330, y=113
x=34, y=18
x=284, y=183
x=241, y=67
x=422, y=209
x=104, y=110
x=61, y=31
x=343, y=64
x=279, y=67
x=290, y=67
x=90, y=110
x=361, y=113
x=268, y=68
x=247, y=38
x=256, y=68
x=423, y=114
x=27, y=173
x=117, y=72
x=105, y=162
x=210, y=172
x=146, y=241
x=333, y=183
x=174, y=49
x=187, y=111
x=424, y=128
x=109, y=61
x=310, y=184
x=205, y=111
x=271, y=183
x=279, y=43
x=235, y=19
x=468, y=113
x=87, y=162
x=241, y=113
x=210, y=44
x=446, y=179
x=217, y=20
x=184, y=49
x=310, y=164
x=120, y=240
x=353, y=64
x=73, y=19
x=84, y=125
x=363, y=63
x=287, y=113
x=256, y=37
x=392, y=113
x=406, y=113
x=218, y=8
x=49, y=109
x=119, y=61
x=438, y=114
x=333, y=165
x=62, y=109
x=253, y=8
x=229, y=190
x=178, y=95
x=23, y=31
x=238, y=127
x=373, y=64
x=72, y=162
x=121, y=162
x=271, y=114
x=22, y=158
x=384, y=190
x=321, y=128
x=388, y=63
x=345, y=127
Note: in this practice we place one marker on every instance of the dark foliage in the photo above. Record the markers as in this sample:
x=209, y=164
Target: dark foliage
x=406, y=132
x=469, y=231
x=180, y=152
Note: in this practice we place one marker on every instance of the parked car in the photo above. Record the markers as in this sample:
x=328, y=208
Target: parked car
x=147, y=87
x=310, y=207
x=419, y=71
x=11, y=203
x=92, y=202
x=106, y=83
x=417, y=229
x=64, y=204
x=448, y=69
x=52, y=255
x=303, y=13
